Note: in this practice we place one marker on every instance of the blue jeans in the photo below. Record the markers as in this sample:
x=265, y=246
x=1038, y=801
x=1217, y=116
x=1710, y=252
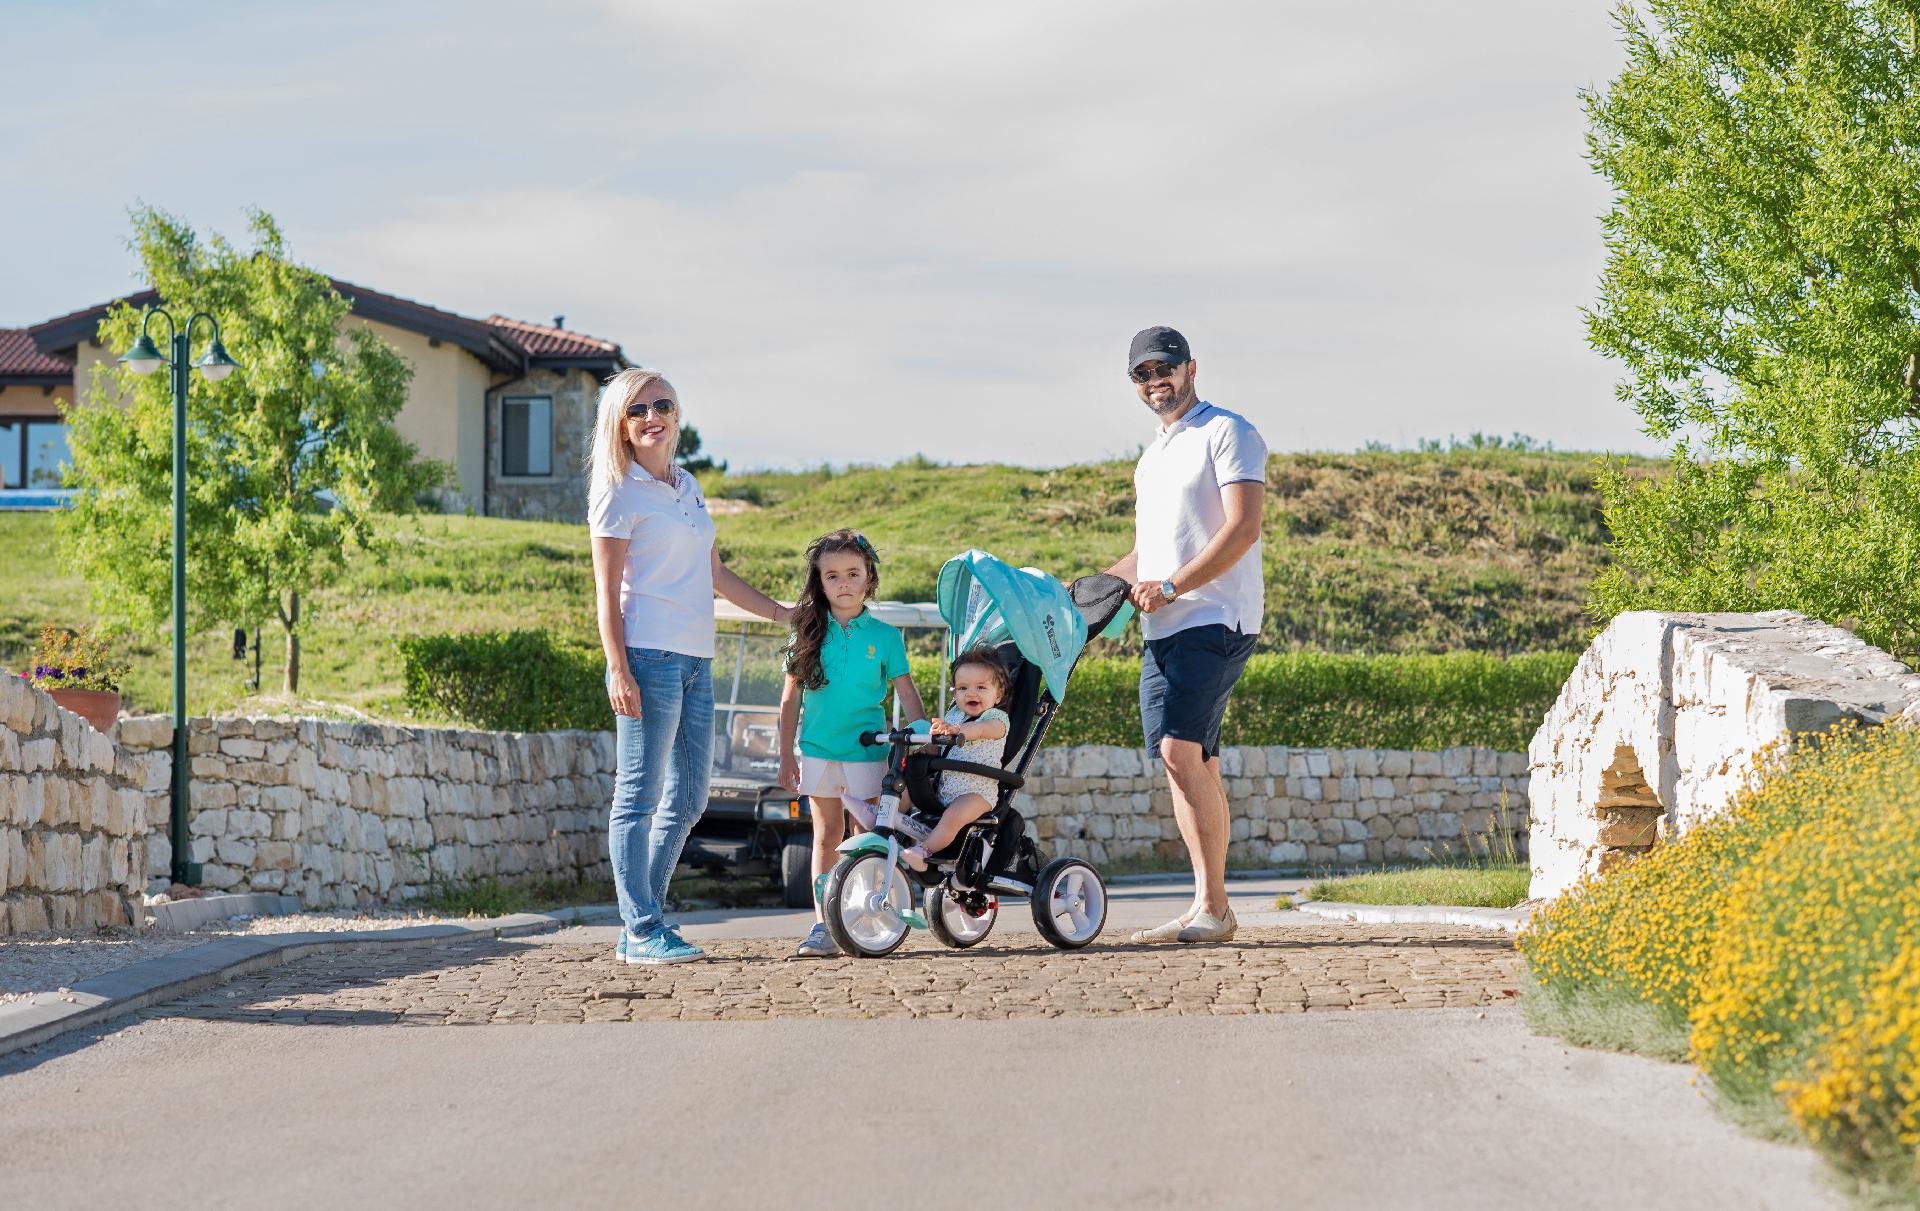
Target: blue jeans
x=660, y=779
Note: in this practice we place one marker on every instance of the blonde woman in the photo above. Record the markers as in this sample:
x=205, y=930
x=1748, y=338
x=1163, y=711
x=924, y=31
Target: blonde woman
x=655, y=571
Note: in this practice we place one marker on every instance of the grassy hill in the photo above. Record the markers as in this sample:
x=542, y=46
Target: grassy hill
x=1373, y=552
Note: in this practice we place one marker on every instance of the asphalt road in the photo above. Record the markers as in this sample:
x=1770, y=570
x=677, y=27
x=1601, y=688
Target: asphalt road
x=1398, y=1108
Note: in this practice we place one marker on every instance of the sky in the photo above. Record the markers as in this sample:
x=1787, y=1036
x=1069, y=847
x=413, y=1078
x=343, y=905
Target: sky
x=854, y=232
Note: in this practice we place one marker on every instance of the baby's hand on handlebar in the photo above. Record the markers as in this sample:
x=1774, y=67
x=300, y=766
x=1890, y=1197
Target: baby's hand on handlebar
x=940, y=727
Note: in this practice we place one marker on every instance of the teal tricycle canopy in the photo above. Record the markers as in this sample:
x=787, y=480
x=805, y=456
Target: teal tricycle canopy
x=986, y=600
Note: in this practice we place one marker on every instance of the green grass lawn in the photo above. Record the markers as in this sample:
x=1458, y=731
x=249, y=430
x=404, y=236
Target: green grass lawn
x=1382, y=552
x=1500, y=885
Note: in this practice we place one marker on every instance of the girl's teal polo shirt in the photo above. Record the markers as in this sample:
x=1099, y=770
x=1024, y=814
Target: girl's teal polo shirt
x=860, y=659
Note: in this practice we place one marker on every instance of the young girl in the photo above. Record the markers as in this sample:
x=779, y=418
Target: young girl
x=980, y=685
x=840, y=663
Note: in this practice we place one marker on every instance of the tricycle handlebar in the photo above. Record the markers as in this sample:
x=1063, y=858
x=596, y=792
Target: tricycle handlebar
x=905, y=735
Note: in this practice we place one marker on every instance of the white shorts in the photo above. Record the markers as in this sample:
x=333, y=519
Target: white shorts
x=860, y=779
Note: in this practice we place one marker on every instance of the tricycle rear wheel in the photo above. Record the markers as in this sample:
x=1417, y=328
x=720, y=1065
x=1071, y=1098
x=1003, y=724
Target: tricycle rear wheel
x=953, y=924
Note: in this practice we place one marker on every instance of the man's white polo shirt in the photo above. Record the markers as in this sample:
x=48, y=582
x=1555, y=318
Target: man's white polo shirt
x=666, y=587
x=1177, y=486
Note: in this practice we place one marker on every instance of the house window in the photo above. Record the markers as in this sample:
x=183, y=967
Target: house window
x=526, y=436
x=33, y=452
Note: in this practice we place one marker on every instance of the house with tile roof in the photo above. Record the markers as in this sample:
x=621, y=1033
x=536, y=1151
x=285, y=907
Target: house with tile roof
x=508, y=403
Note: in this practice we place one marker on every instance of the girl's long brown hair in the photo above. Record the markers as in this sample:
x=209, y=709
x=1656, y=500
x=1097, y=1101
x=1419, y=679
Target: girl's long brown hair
x=811, y=612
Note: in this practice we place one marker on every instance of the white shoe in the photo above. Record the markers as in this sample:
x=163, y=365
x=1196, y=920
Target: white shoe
x=1209, y=929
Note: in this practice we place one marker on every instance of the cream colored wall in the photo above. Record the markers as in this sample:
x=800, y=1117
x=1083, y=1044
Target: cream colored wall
x=33, y=401
x=85, y=358
x=445, y=413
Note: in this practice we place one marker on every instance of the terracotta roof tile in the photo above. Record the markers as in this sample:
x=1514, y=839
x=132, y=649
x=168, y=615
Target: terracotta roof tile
x=20, y=356
x=539, y=340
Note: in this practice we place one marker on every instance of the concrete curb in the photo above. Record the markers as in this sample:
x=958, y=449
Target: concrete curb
x=48, y=1015
x=182, y=916
x=1508, y=919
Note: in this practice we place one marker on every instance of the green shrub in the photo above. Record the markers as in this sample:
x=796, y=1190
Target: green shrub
x=1323, y=699
x=508, y=681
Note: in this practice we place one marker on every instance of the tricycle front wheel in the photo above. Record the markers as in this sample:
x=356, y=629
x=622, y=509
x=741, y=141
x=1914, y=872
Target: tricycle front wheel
x=860, y=920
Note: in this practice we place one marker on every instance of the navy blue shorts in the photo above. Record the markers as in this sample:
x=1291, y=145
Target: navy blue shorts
x=1184, y=682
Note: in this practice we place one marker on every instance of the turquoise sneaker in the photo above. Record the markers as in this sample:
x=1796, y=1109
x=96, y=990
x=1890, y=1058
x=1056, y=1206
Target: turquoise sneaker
x=620, y=949
x=661, y=946
x=673, y=931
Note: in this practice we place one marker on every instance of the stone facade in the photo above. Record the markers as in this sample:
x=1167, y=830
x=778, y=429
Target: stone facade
x=1664, y=717
x=562, y=495
x=345, y=814
x=1292, y=807
x=75, y=812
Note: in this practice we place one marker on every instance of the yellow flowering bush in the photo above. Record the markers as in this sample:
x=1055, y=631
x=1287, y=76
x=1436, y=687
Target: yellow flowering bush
x=1862, y=1099
x=1784, y=937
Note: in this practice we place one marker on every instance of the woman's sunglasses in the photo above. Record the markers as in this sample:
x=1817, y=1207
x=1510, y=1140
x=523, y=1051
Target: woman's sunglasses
x=1147, y=372
x=660, y=407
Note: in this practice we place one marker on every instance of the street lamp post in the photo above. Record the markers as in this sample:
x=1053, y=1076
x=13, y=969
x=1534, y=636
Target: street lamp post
x=214, y=365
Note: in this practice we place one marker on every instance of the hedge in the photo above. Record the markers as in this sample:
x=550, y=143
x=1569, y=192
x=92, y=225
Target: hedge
x=524, y=681
x=1329, y=700
x=506, y=681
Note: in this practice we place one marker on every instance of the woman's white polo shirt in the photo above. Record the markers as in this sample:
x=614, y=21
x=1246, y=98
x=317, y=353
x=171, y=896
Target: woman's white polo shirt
x=666, y=587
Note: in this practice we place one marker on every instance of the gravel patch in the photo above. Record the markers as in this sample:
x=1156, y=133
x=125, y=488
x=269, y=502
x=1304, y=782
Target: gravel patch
x=49, y=962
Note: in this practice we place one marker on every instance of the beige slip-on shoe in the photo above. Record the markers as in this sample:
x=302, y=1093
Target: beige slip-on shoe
x=1160, y=933
x=1209, y=929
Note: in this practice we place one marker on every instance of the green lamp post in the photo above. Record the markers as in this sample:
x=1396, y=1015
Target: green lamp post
x=214, y=365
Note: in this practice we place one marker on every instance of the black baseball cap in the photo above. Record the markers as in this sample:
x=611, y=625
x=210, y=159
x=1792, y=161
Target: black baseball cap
x=1158, y=344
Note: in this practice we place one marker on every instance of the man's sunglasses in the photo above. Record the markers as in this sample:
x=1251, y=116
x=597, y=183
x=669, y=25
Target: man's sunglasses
x=1146, y=372
x=660, y=407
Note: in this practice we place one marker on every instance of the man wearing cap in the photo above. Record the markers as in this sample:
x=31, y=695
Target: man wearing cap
x=1195, y=569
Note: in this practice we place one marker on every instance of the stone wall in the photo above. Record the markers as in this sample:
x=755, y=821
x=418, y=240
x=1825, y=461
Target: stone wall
x=345, y=814
x=1665, y=715
x=75, y=811
x=1292, y=807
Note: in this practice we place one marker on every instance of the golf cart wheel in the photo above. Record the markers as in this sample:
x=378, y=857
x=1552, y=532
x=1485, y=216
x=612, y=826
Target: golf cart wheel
x=1069, y=903
x=796, y=872
x=953, y=923
x=860, y=922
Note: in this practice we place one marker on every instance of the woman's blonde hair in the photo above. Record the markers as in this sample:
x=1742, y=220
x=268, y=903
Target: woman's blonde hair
x=608, y=460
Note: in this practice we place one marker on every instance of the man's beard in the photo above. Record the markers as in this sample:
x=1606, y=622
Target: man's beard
x=1175, y=402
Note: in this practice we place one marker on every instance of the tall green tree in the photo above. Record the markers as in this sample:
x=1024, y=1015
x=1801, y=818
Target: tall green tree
x=1762, y=289
x=289, y=459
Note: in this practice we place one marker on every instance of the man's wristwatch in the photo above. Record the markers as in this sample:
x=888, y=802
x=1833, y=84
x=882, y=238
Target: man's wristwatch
x=1168, y=590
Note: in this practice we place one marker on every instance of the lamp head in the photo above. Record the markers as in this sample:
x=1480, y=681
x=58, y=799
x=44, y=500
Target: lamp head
x=215, y=365
x=143, y=358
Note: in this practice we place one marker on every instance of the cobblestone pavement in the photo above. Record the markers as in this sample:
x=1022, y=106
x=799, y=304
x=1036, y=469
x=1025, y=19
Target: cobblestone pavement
x=1291, y=970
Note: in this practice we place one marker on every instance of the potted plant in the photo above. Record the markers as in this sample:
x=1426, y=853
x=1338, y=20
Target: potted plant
x=76, y=668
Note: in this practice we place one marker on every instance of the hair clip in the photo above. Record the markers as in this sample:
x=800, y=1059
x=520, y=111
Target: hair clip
x=866, y=546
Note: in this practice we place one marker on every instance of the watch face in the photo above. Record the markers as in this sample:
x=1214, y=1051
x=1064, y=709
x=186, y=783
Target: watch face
x=1168, y=591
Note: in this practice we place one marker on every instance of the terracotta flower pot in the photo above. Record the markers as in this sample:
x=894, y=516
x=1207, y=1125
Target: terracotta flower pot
x=98, y=707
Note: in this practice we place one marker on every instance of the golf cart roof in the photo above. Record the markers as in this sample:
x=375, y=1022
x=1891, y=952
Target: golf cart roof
x=895, y=613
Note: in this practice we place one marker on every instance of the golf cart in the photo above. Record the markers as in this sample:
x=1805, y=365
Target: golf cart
x=752, y=824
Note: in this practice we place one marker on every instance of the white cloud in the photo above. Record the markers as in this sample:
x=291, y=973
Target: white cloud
x=854, y=231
